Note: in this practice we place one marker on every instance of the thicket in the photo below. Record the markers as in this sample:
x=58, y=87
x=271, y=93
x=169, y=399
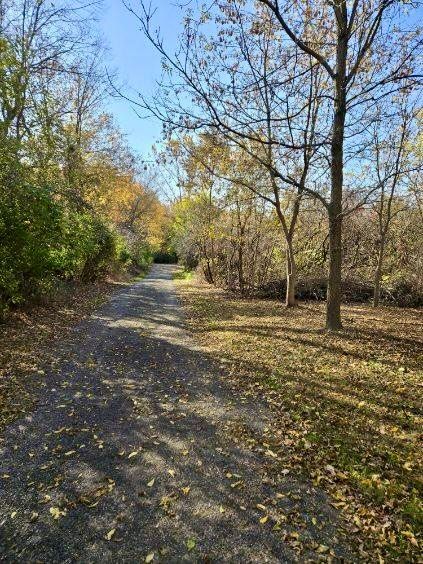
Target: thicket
x=73, y=206
x=235, y=241
x=46, y=239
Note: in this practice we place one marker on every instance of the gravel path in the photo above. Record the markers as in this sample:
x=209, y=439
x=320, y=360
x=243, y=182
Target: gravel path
x=129, y=452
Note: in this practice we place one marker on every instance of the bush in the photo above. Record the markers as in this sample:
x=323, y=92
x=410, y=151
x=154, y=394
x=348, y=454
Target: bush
x=123, y=254
x=29, y=224
x=45, y=238
x=142, y=257
x=402, y=294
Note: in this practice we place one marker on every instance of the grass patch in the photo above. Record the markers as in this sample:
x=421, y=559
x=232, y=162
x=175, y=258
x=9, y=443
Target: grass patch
x=185, y=275
x=347, y=406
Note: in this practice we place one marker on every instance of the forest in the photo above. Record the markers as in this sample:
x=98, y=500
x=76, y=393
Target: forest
x=211, y=280
x=274, y=191
x=72, y=204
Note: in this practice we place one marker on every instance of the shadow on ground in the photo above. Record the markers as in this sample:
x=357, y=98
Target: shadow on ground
x=130, y=442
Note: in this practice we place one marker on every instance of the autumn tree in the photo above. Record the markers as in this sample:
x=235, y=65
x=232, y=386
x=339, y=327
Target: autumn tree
x=40, y=37
x=68, y=182
x=243, y=94
x=239, y=67
x=390, y=140
x=367, y=49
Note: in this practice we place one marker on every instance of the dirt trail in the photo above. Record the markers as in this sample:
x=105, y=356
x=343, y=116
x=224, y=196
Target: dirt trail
x=129, y=453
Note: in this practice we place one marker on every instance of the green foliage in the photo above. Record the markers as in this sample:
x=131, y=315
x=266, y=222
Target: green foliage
x=44, y=238
x=142, y=256
x=183, y=274
x=28, y=219
x=88, y=246
x=122, y=253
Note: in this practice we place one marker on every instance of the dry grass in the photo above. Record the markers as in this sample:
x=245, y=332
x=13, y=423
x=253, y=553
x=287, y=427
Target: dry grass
x=346, y=406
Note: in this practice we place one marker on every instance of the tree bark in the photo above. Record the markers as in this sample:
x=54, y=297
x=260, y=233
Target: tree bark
x=378, y=274
x=291, y=277
x=333, y=304
x=241, y=267
x=208, y=273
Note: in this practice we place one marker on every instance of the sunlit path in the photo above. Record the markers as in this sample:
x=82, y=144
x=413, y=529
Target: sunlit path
x=129, y=453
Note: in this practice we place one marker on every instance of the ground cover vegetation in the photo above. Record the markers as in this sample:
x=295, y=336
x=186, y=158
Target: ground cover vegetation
x=294, y=129
x=346, y=405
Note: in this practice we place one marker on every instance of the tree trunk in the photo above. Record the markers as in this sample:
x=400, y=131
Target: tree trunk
x=378, y=274
x=209, y=273
x=291, y=277
x=240, y=230
x=207, y=269
x=333, y=304
x=241, y=268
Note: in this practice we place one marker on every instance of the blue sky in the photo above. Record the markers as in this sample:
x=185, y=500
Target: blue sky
x=137, y=63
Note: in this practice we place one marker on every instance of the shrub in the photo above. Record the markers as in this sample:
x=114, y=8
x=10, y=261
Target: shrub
x=403, y=294
x=142, y=257
x=29, y=226
x=45, y=238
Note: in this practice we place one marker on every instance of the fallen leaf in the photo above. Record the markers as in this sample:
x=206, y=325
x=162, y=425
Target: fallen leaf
x=56, y=513
x=330, y=469
x=110, y=534
x=190, y=544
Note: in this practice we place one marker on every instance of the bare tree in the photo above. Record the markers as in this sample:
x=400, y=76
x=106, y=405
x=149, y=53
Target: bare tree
x=43, y=38
x=227, y=82
x=390, y=141
x=242, y=93
x=347, y=38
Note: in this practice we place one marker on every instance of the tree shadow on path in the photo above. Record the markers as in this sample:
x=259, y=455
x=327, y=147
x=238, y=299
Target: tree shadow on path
x=131, y=442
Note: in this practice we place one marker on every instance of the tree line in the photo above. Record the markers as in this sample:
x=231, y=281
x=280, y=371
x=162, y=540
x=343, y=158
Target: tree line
x=299, y=120
x=75, y=201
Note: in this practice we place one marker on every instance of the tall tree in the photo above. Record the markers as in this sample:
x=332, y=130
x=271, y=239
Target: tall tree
x=392, y=165
x=349, y=36
x=222, y=79
x=240, y=92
